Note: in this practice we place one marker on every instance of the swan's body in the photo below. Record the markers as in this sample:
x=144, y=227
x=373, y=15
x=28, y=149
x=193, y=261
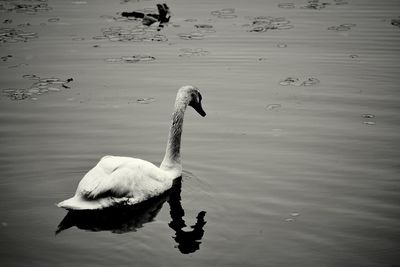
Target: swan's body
x=125, y=180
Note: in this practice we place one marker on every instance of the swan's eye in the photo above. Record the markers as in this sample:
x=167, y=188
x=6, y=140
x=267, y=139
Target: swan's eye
x=194, y=98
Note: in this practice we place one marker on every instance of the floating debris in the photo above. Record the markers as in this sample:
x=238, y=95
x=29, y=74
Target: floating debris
x=191, y=36
x=18, y=65
x=31, y=77
x=273, y=106
x=7, y=21
x=15, y=94
x=395, y=22
x=313, y=4
x=131, y=59
x=78, y=39
x=24, y=24
x=39, y=87
x=368, y=115
x=99, y=37
x=225, y=13
x=297, y=82
x=310, y=82
x=205, y=28
x=146, y=100
x=286, y=5
x=6, y=58
x=354, y=56
x=24, y=6
x=53, y=20
x=342, y=27
x=128, y=1
x=265, y=23
x=290, y=81
x=138, y=33
x=188, y=52
x=292, y=217
x=190, y=20
x=11, y=35
x=199, y=33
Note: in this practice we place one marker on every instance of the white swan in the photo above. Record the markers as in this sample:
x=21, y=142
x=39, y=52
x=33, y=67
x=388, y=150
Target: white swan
x=126, y=180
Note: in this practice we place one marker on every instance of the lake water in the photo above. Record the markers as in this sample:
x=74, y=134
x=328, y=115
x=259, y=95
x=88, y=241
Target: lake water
x=295, y=164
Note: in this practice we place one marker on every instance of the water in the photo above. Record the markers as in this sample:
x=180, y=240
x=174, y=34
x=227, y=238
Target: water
x=275, y=175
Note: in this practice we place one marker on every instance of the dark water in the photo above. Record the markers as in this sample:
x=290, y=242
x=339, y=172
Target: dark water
x=296, y=163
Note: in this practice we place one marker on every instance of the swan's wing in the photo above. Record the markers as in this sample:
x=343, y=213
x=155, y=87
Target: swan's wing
x=121, y=177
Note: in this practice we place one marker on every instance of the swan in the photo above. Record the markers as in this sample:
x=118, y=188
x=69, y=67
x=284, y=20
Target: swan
x=125, y=180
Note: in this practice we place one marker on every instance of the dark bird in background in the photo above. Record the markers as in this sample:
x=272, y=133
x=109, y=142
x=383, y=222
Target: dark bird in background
x=162, y=17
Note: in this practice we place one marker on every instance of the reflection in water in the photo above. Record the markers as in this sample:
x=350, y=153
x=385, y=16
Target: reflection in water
x=130, y=218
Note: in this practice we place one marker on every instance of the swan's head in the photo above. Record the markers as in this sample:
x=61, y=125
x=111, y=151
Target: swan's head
x=191, y=95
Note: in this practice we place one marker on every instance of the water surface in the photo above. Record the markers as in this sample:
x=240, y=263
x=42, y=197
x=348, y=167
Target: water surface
x=275, y=175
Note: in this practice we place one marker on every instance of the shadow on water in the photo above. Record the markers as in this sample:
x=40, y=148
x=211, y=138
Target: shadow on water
x=125, y=219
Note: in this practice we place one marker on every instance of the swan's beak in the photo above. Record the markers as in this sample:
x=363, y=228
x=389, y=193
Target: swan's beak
x=199, y=109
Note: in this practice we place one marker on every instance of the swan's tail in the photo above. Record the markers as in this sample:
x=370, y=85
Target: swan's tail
x=79, y=203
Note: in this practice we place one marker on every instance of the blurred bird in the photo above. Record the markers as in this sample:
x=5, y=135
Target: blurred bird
x=162, y=17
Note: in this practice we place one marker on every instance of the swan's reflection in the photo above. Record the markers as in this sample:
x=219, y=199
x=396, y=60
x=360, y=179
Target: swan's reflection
x=127, y=219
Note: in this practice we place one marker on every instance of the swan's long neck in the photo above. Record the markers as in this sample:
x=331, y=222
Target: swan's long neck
x=172, y=158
